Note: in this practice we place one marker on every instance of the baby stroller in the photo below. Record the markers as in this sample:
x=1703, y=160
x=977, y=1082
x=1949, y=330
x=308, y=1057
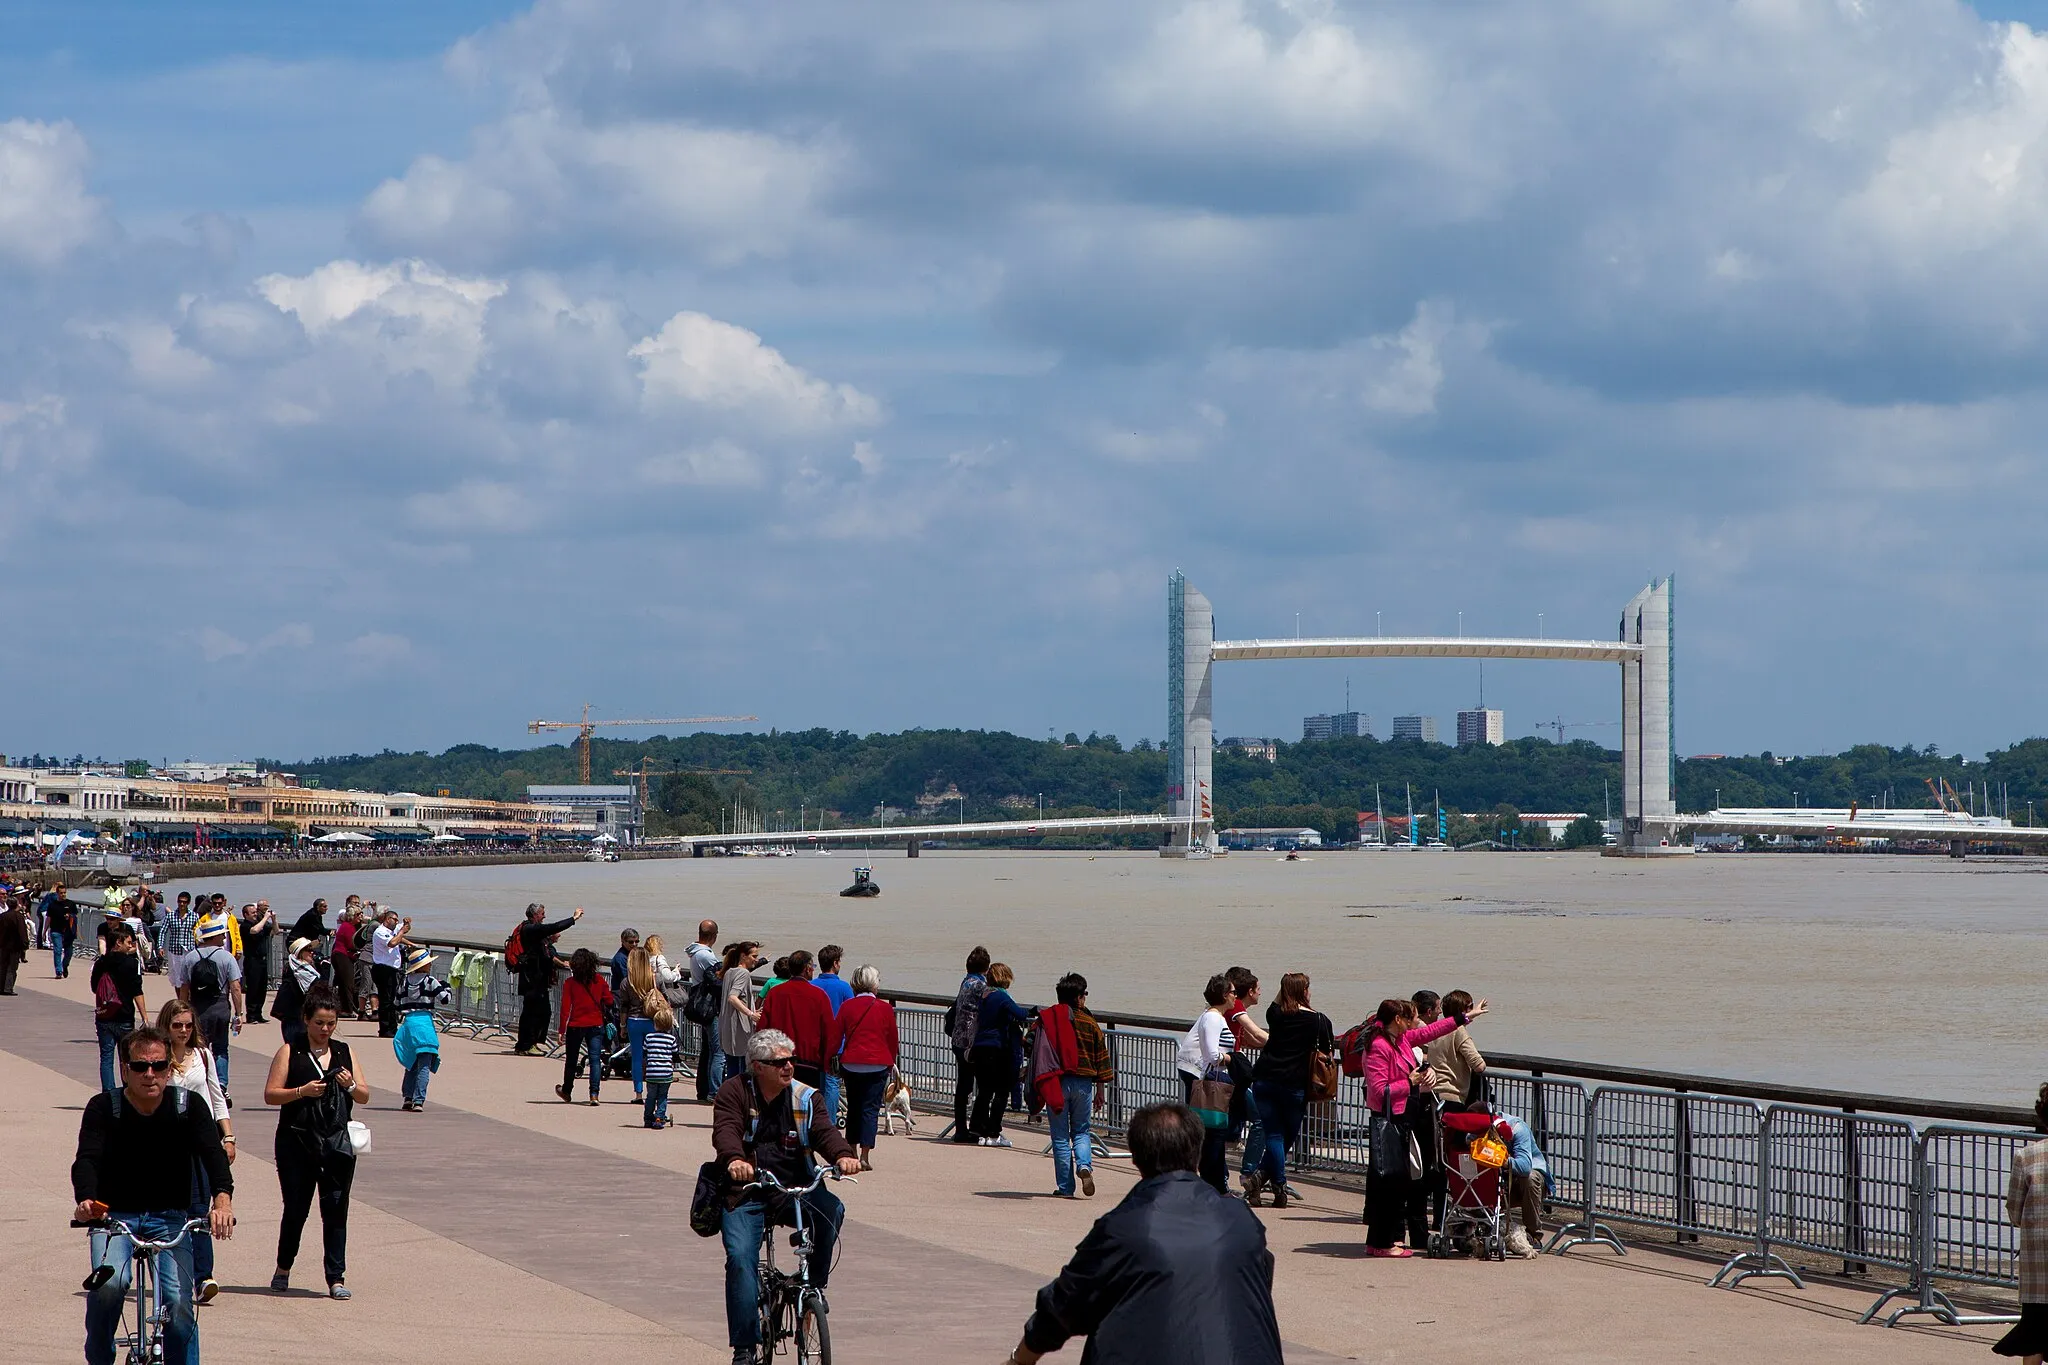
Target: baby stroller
x=1475, y=1186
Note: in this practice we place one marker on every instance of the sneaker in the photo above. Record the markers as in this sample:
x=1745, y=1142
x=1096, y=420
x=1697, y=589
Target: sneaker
x=407, y=1107
x=281, y=1281
x=209, y=1290
x=1087, y=1182
x=1396, y=1253
x=1000, y=1141
x=337, y=1291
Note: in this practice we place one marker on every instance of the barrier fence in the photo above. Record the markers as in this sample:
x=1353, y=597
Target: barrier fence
x=1920, y=1204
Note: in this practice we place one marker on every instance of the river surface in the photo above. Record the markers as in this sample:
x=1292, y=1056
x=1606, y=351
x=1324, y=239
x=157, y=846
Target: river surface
x=1895, y=975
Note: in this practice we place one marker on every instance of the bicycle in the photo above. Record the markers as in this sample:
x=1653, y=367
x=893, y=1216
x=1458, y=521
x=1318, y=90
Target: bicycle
x=145, y=1344
x=792, y=1309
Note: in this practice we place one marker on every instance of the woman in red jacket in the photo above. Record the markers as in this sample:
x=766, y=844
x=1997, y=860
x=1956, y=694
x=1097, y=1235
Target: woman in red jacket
x=585, y=998
x=863, y=1039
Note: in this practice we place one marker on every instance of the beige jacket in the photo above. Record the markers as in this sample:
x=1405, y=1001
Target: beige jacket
x=1453, y=1060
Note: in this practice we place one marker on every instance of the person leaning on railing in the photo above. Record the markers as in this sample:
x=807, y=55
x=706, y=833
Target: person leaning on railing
x=1395, y=1202
x=2026, y=1204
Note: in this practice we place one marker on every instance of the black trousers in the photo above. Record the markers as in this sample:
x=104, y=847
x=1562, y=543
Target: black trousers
x=533, y=1020
x=256, y=981
x=1397, y=1205
x=994, y=1072
x=387, y=999
x=300, y=1175
x=963, y=1095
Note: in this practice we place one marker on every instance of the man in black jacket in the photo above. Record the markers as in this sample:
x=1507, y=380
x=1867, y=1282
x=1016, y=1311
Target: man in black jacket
x=1175, y=1272
x=537, y=974
x=137, y=1147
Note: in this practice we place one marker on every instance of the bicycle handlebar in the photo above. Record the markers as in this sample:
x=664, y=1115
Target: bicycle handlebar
x=765, y=1180
x=115, y=1225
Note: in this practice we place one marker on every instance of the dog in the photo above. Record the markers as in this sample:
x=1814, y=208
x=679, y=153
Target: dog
x=896, y=1105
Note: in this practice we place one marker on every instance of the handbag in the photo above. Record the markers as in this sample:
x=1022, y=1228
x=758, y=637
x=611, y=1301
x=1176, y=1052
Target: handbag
x=707, y=1203
x=343, y=1134
x=1323, y=1075
x=1210, y=1097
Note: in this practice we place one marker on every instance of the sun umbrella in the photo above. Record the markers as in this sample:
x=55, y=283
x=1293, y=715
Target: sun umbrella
x=344, y=836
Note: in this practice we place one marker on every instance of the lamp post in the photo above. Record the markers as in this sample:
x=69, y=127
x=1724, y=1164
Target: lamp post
x=1539, y=625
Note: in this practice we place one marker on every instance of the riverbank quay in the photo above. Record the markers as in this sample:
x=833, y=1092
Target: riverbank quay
x=501, y=1223
x=185, y=870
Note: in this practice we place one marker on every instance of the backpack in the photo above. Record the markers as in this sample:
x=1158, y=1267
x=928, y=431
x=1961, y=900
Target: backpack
x=964, y=1019
x=706, y=999
x=1352, y=1047
x=515, y=949
x=107, y=1003
x=176, y=1092
x=205, y=982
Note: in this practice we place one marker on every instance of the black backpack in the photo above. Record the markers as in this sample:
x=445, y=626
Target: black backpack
x=707, y=997
x=205, y=982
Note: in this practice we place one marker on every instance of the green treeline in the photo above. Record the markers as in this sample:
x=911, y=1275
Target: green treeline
x=1323, y=785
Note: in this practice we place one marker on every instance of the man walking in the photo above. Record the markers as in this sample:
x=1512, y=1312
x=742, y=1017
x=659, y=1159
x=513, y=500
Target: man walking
x=210, y=980
x=798, y=1008
x=137, y=1149
x=178, y=937
x=60, y=927
x=1175, y=1272
x=15, y=937
x=704, y=979
x=537, y=974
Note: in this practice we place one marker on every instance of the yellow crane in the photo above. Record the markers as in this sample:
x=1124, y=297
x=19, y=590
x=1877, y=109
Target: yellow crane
x=642, y=771
x=584, y=726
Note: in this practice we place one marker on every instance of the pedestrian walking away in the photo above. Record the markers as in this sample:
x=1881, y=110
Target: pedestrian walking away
x=865, y=1049
x=585, y=999
x=766, y=1120
x=116, y=997
x=315, y=1086
x=192, y=1072
x=417, y=1043
x=801, y=1010
x=210, y=980
x=1175, y=1272
x=138, y=1146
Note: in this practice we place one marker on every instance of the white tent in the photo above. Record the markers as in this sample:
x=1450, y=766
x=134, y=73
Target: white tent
x=604, y=839
x=446, y=839
x=344, y=836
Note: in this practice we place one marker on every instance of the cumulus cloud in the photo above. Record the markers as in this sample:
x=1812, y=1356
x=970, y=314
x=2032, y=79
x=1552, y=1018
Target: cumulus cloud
x=45, y=212
x=702, y=362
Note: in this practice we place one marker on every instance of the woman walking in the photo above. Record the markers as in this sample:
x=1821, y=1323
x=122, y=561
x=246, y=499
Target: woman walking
x=417, y=1043
x=1394, y=1200
x=316, y=1087
x=2026, y=1205
x=1295, y=1034
x=192, y=1071
x=998, y=1038
x=863, y=1039
x=640, y=988
x=585, y=998
x=737, y=1016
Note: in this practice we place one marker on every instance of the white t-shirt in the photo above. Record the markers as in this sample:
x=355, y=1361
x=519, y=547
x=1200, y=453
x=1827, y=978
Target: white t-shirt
x=1206, y=1041
x=382, y=951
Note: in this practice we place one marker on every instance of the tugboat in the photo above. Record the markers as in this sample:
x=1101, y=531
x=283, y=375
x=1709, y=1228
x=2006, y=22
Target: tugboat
x=863, y=883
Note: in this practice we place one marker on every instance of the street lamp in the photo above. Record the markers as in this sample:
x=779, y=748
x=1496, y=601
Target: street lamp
x=1539, y=625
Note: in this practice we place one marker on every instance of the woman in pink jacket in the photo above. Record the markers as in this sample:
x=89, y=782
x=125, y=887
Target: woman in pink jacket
x=1393, y=1067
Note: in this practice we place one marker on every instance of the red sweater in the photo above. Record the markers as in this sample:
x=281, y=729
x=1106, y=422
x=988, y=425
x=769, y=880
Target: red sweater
x=804, y=1012
x=867, y=1029
x=583, y=1006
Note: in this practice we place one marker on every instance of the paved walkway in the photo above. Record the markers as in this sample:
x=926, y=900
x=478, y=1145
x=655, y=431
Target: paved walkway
x=506, y=1225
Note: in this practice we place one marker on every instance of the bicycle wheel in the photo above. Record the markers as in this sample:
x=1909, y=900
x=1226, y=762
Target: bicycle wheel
x=813, y=1331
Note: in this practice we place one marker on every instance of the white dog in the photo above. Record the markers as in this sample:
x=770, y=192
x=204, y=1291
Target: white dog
x=896, y=1105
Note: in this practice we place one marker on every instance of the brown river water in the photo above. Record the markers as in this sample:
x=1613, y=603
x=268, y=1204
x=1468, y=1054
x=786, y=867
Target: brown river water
x=1897, y=975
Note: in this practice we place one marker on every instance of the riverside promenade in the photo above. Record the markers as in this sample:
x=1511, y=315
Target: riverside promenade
x=504, y=1225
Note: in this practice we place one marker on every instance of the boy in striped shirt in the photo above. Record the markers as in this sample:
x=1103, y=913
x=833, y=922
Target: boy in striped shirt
x=659, y=1068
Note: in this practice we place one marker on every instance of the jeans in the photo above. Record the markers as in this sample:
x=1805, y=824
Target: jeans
x=1070, y=1145
x=1280, y=1111
x=654, y=1112
x=744, y=1228
x=735, y=1065
x=111, y=1032
x=637, y=1029
x=710, y=1061
x=413, y=1090
x=202, y=1242
x=580, y=1041
x=60, y=951
x=1254, y=1142
x=174, y=1272
x=864, y=1091
x=300, y=1175
x=831, y=1089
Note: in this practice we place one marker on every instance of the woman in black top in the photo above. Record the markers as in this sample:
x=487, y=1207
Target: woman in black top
x=1295, y=1033
x=308, y=1124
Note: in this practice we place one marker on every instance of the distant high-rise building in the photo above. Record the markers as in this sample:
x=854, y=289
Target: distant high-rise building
x=1415, y=727
x=1343, y=725
x=1482, y=727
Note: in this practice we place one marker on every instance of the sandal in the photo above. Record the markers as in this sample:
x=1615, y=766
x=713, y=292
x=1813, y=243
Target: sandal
x=337, y=1291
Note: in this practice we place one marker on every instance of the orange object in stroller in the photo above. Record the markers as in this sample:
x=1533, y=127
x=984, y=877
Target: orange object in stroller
x=1475, y=1193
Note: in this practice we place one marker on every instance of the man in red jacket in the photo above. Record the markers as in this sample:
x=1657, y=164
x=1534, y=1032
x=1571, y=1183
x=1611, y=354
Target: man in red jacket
x=799, y=1008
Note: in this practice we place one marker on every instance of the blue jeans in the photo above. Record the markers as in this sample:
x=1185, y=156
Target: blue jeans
x=60, y=951
x=1280, y=1111
x=831, y=1089
x=579, y=1042
x=220, y=1058
x=110, y=1033
x=654, y=1110
x=637, y=1029
x=413, y=1090
x=710, y=1060
x=735, y=1065
x=1070, y=1149
x=174, y=1272
x=744, y=1228
x=1254, y=1141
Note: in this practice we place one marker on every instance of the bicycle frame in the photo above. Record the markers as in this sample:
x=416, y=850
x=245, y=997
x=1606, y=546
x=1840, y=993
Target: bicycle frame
x=146, y=1343
x=785, y=1296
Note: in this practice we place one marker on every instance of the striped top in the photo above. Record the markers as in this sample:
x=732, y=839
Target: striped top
x=660, y=1050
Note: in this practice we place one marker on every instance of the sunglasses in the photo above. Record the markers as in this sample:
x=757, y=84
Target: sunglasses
x=781, y=1063
x=160, y=1064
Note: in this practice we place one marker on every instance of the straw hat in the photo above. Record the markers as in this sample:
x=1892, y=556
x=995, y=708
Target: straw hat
x=299, y=945
x=419, y=959
x=213, y=926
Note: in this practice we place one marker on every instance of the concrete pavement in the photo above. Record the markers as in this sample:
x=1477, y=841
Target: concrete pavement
x=505, y=1225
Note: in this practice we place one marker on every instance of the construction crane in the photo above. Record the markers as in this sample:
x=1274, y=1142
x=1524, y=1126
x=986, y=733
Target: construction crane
x=1945, y=796
x=643, y=772
x=1561, y=725
x=584, y=726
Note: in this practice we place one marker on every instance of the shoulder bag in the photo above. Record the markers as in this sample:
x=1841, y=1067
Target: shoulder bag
x=339, y=1133
x=707, y=1203
x=1323, y=1073
x=1389, y=1143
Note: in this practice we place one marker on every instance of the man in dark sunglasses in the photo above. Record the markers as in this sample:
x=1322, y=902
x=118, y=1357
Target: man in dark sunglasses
x=136, y=1149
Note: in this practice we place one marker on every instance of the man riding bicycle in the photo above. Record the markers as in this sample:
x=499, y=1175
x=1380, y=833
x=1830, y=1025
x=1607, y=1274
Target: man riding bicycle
x=768, y=1121
x=137, y=1147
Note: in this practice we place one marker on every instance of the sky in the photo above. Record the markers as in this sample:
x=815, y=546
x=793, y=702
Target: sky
x=390, y=375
